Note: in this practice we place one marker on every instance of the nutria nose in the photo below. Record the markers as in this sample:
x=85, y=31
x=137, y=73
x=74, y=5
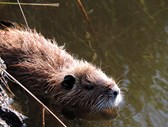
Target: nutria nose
x=115, y=93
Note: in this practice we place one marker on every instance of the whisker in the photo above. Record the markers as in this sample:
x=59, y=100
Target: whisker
x=123, y=89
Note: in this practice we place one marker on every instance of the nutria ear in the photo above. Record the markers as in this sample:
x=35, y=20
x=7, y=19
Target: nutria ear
x=68, y=82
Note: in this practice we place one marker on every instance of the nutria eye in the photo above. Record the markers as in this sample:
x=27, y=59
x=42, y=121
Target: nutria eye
x=68, y=82
x=89, y=87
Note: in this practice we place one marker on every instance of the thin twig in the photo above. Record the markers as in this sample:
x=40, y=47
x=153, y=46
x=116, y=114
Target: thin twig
x=86, y=18
x=32, y=4
x=33, y=97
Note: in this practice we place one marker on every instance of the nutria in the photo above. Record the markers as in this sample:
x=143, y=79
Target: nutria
x=48, y=71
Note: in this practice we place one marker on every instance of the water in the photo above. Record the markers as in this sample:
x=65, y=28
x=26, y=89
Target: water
x=131, y=46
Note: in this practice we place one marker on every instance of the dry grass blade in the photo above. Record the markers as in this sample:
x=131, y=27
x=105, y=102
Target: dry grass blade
x=46, y=108
x=43, y=117
x=32, y=4
x=86, y=18
x=23, y=13
x=6, y=86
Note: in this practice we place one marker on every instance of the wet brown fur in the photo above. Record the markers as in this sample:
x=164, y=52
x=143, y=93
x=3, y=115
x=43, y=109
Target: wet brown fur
x=41, y=65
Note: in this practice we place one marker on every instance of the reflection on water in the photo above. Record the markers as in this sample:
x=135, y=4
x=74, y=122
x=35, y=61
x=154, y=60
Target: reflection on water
x=132, y=46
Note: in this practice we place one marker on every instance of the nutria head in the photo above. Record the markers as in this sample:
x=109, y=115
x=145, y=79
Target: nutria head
x=87, y=87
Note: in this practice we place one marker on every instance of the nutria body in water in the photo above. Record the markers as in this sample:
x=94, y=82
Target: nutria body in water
x=50, y=72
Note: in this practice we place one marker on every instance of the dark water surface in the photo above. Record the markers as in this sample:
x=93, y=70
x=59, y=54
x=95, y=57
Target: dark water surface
x=131, y=46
